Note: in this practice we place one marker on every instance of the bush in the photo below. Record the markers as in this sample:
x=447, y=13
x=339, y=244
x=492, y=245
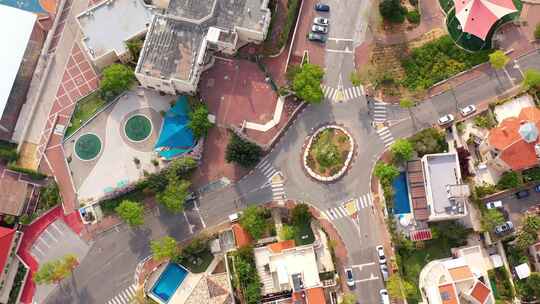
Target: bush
x=429, y=141
x=485, y=190
x=131, y=212
x=49, y=196
x=287, y=232
x=537, y=31
x=199, y=122
x=503, y=288
x=247, y=278
x=254, y=221
x=486, y=121
x=292, y=13
x=300, y=214
x=115, y=79
x=402, y=150
x=307, y=83
x=509, y=180
x=386, y=173
x=436, y=61
x=392, y=10
x=242, y=152
x=413, y=16
x=32, y=174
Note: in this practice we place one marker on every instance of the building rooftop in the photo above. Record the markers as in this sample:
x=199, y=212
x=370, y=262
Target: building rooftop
x=480, y=292
x=12, y=195
x=12, y=53
x=6, y=239
x=448, y=294
x=241, y=236
x=108, y=25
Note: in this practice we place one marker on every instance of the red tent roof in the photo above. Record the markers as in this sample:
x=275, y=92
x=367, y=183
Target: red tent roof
x=478, y=16
x=421, y=235
x=6, y=238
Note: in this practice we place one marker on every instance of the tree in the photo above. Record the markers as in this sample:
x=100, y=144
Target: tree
x=530, y=287
x=134, y=47
x=392, y=10
x=509, y=180
x=50, y=195
x=253, y=221
x=399, y=288
x=528, y=234
x=287, y=232
x=242, y=152
x=452, y=231
x=131, y=212
x=300, y=214
x=115, y=79
x=386, y=173
x=498, y=59
x=492, y=218
x=174, y=195
x=182, y=167
x=402, y=150
x=531, y=79
x=524, y=239
x=307, y=83
x=56, y=270
x=164, y=248
x=348, y=298
x=198, y=121
x=429, y=141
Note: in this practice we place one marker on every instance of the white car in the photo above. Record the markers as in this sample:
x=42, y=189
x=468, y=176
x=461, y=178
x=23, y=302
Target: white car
x=319, y=29
x=446, y=119
x=235, y=217
x=350, y=277
x=384, y=271
x=380, y=254
x=468, y=110
x=320, y=21
x=385, y=299
x=494, y=204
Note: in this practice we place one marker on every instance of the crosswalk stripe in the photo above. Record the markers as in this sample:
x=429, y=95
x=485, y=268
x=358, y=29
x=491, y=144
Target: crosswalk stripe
x=360, y=90
x=329, y=214
x=264, y=165
x=337, y=213
x=132, y=289
x=343, y=210
x=332, y=211
x=384, y=132
x=334, y=93
x=385, y=136
x=346, y=93
x=363, y=202
x=370, y=199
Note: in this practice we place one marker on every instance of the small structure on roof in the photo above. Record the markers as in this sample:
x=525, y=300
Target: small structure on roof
x=477, y=17
x=523, y=271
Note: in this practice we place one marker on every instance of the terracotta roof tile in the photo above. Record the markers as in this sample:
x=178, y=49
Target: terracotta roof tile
x=280, y=246
x=241, y=236
x=460, y=273
x=480, y=292
x=519, y=156
x=315, y=296
x=448, y=294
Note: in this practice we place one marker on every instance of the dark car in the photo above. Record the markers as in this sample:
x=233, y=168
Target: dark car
x=321, y=7
x=537, y=188
x=316, y=37
x=522, y=194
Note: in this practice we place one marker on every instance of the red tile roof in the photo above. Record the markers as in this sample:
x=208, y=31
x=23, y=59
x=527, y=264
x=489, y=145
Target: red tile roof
x=280, y=246
x=515, y=152
x=6, y=238
x=480, y=292
x=241, y=236
x=315, y=296
x=421, y=235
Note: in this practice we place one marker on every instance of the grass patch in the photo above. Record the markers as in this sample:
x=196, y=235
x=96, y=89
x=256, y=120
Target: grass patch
x=108, y=206
x=500, y=283
x=303, y=234
x=486, y=120
x=201, y=263
x=84, y=110
x=328, y=152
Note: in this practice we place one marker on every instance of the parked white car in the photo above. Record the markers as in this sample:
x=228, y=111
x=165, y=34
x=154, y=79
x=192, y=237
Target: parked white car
x=468, y=110
x=385, y=299
x=235, y=217
x=446, y=119
x=494, y=204
x=320, y=21
x=350, y=277
x=380, y=254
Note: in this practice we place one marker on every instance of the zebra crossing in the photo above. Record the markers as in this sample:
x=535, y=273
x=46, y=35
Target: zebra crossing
x=266, y=168
x=340, y=95
x=275, y=180
x=338, y=212
x=379, y=112
x=125, y=296
x=386, y=136
x=278, y=191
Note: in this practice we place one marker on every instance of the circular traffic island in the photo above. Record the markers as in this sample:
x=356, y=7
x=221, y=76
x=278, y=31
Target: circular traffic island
x=138, y=128
x=88, y=146
x=328, y=153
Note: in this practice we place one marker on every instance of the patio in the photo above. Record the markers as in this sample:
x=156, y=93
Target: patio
x=116, y=147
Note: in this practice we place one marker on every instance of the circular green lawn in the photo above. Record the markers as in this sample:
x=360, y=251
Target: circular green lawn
x=138, y=128
x=88, y=146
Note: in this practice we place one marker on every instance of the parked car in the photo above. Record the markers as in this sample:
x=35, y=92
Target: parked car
x=385, y=299
x=384, y=271
x=537, y=188
x=504, y=228
x=319, y=29
x=350, y=277
x=380, y=254
x=321, y=7
x=316, y=37
x=494, y=204
x=522, y=194
x=468, y=110
x=191, y=197
x=446, y=119
x=320, y=21
x=235, y=217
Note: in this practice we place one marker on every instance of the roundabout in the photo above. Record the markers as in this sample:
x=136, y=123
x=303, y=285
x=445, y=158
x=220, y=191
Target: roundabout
x=88, y=146
x=138, y=128
x=328, y=153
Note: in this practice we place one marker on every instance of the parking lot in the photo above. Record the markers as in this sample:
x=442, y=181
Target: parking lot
x=514, y=207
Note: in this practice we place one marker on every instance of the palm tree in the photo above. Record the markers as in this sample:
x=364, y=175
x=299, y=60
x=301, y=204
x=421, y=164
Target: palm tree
x=408, y=104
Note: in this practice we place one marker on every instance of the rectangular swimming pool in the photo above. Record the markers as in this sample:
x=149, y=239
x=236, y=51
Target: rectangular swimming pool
x=169, y=281
x=401, y=195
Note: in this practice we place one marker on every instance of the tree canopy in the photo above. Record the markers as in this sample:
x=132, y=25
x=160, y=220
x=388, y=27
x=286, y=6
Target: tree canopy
x=406, y=103
x=509, y=180
x=399, y=288
x=253, y=220
x=164, y=248
x=429, y=141
x=498, y=59
x=531, y=79
x=392, y=10
x=385, y=172
x=199, y=122
x=131, y=212
x=307, y=83
x=300, y=214
x=174, y=195
x=492, y=218
x=348, y=298
x=115, y=79
x=242, y=152
x=55, y=271
x=402, y=150
x=182, y=167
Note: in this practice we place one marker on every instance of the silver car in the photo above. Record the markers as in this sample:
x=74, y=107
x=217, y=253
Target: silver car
x=468, y=110
x=319, y=29
x=320, y=21
x=446, y=119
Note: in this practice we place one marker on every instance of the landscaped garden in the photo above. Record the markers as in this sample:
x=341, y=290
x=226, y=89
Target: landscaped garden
x=88, y=146
x=84, y=110
x=138, y=128
x=329, y=151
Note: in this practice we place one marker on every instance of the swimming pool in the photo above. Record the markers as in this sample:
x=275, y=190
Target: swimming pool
x=27, y=5
x=168, y=282
x=401, y=195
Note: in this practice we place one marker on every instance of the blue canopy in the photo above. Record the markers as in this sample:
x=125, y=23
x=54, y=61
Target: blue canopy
x=175, y=137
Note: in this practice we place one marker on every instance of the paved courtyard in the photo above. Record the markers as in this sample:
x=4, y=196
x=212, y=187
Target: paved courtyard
x=110, y=164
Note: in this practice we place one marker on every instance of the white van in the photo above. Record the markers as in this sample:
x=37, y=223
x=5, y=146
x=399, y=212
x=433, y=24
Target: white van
x=385, y=299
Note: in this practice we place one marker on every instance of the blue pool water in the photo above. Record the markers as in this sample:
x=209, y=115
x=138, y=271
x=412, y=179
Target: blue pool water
x=27, y=5
x=401, y=196
x=168, y=282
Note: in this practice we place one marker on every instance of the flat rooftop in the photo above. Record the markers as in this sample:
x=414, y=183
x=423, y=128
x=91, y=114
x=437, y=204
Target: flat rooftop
x=171, y=48
x=108, y=25
x=442, y=170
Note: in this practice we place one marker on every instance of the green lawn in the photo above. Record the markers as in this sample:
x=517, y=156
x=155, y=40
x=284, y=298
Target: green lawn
x=84, y=109
x=304, y=235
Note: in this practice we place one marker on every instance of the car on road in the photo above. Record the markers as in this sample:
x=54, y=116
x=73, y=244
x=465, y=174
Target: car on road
x=316, y=37
x=468, y=110
x=504, y=228
x=522, y=194
x=320, y=21
x=384, y=271
x=235, y=217
x=380, y=254
x=319, y=29
x=446, y=119
x=537, y=188
x=191, y=197
x=494, y=204
x=321, y=7
x=350, y=277
x=385, y=299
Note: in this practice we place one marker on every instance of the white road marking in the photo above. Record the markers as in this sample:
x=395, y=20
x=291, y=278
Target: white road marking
x=339, y=39
x=362, y=265
x=346, y=51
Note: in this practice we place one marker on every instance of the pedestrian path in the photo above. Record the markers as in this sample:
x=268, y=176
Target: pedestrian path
x=341, y=95
x=278, y=191
x=379, y=112
x=344, y=210
x=275, y=180
x=125, y=296
x=266, y=168
x=386, y=136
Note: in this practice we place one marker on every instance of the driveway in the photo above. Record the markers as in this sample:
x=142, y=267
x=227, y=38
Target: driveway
x=516, y=207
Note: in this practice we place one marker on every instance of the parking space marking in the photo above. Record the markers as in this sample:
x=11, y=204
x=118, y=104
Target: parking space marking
x=339, y=39
x=345, y=51
x=189, y=224
x=362, y=265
